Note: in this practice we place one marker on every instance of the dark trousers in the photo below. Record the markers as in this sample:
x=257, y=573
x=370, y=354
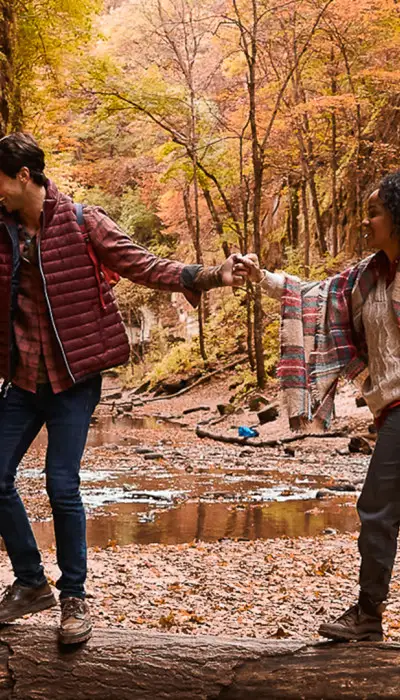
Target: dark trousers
x=379, y=511
x=67, y=417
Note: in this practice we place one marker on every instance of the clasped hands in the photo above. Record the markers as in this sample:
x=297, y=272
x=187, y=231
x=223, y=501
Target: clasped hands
x=237, y=269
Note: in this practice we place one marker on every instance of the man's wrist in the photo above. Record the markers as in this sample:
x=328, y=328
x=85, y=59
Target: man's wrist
x=208, y=278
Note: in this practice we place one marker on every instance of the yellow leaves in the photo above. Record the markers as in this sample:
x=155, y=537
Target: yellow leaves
x=381, y=75
x=167, y=621
x=326, y=567
x=324, y=103
x=245, y=608
x=197, y=619
x=174, y=587
x=235, y=65
x=174, y=618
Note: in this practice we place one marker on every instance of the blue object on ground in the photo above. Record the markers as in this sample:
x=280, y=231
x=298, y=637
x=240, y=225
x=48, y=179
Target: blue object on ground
x=246, y=432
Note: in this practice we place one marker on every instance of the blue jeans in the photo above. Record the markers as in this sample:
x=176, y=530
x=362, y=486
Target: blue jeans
x=67, y=417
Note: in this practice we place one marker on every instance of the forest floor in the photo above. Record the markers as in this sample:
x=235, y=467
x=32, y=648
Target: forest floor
x=205, y=537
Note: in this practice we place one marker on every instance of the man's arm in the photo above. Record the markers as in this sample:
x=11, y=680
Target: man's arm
x=118, y=252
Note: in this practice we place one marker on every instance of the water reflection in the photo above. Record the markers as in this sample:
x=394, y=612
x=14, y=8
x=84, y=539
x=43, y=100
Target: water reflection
x=108, y=430
x=212, y=521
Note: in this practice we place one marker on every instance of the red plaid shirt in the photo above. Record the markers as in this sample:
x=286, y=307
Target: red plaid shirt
x=39, y=355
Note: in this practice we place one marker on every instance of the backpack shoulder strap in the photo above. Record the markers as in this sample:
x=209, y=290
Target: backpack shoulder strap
x=79, y=215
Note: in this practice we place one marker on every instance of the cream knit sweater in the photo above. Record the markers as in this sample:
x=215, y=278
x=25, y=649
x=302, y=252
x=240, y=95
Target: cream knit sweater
x=382, y=385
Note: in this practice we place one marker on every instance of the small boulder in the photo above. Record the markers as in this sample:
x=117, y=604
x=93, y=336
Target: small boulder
x=341, y=487
x=257, y=401
x=246, y=452
x=360, y=402
x=114, y=395
x=267, y=415
x=360, y=444
x=225, y=409
x=289, y=451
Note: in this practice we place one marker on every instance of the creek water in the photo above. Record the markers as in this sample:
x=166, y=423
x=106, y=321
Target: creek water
x=167, y=505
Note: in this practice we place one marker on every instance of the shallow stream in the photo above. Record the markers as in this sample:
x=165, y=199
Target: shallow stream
x=163, y=502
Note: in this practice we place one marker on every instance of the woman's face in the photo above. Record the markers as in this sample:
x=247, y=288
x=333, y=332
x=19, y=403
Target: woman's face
x=379, y=226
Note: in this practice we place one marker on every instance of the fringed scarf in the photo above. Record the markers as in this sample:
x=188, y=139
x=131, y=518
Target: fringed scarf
x=322, y=338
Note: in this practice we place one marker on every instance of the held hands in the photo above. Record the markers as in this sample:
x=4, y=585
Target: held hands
x=239, y=268
x=252, y=264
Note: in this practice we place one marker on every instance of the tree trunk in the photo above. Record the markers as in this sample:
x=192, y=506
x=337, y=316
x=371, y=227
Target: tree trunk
x=244, y=242
x=192, y=224
x=317, y=213
x=123, y=665
x=6, y=43
x=293, y=213
x=334, y=163
x=305, y=141
x=306, y=226
x=258, y=174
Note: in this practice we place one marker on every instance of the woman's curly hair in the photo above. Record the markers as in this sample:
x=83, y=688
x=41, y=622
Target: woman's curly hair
x=389, y=193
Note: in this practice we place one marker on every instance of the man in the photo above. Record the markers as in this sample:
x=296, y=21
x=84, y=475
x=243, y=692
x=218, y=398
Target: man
x=59, y=328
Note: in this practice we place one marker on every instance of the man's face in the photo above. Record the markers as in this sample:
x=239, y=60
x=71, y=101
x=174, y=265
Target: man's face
x=13, y=190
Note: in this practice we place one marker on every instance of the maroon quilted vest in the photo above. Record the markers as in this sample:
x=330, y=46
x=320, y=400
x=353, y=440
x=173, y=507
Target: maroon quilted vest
x=91, y=338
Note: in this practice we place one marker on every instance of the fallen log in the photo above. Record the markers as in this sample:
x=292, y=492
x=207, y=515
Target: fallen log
x=252, y=442
x=119, y=664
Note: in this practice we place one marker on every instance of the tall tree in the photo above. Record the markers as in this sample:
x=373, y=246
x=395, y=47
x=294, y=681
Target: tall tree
x=35, y=38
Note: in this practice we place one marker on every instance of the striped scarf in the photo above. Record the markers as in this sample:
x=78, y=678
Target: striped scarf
x=322, y=338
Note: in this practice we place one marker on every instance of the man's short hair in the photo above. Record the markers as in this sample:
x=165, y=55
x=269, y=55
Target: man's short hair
x=20, y=150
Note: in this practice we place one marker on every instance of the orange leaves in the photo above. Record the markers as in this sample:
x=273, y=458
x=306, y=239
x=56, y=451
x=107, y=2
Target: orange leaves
x=167, y=621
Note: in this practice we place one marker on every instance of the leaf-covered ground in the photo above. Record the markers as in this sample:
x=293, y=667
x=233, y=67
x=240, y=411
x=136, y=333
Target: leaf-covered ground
x=281, y=587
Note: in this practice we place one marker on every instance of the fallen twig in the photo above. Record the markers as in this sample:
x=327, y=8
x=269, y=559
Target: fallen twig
x=251, y=442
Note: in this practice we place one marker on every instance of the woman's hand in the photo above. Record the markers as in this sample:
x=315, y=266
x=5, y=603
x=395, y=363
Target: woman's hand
x=234, y=272
x=252, y=265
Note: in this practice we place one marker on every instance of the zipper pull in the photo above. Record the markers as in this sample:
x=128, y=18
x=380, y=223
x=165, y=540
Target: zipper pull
x=5, y=389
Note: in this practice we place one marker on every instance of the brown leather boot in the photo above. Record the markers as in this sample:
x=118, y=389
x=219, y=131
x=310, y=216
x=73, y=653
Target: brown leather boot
x=20, y=600
x=356, y=624
x=76, y=624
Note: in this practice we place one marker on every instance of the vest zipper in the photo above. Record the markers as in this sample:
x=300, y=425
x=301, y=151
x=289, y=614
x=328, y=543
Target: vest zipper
x=49, y=305
x=5, y=389
x=11, y=335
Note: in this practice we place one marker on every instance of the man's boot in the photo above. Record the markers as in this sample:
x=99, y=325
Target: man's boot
x=76, y=624
x=361, y=622
x=20, y=600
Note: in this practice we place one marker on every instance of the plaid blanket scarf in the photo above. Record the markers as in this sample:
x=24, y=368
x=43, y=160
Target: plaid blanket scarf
x=322, y=338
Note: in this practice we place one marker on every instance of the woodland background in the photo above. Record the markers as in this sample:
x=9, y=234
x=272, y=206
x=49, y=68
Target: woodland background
x=206, y=127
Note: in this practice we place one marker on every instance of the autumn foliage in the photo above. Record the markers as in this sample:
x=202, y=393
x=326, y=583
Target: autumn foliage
x=209, y=126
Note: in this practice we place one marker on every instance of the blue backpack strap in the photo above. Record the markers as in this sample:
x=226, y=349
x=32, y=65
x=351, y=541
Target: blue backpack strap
x=79, y=215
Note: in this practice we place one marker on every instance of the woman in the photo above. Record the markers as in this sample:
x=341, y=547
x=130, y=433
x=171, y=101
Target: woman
x=349, y=325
